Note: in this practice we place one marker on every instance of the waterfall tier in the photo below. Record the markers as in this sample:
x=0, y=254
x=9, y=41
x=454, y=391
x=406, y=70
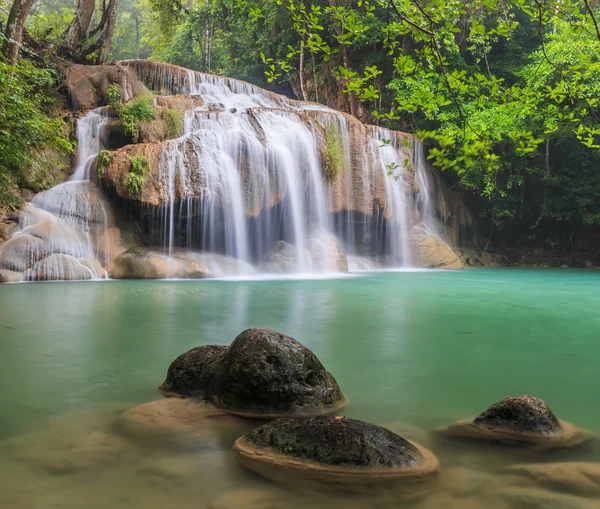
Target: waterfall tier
x=257, y=181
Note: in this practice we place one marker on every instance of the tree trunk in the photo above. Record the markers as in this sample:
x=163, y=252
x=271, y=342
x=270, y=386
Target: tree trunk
x=79, y=28
x=14, y=29
x=302, y=84
x=314, y=64
x=105, y=37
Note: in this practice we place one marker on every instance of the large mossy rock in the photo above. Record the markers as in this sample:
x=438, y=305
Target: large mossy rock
x=521, y=419
x=193, y=371
x=268, y=374
x=332, y=449
x=263, y=374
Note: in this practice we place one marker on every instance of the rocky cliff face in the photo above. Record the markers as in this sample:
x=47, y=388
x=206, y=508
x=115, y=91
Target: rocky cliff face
x=268, y=181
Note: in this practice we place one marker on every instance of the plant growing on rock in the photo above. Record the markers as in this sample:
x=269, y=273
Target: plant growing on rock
x=333, y=155
x=134, y=112
x=115, y=97
x=173, y=122
x=103, y=159
x=138, y=170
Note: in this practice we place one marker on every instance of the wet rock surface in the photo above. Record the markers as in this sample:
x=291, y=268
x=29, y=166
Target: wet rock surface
x=431, y=252
x=147, y=263
x=268, y=374
x=577, y=478
x=179, y=423
x=193, y=371
x=521, y=414
x=336, y=442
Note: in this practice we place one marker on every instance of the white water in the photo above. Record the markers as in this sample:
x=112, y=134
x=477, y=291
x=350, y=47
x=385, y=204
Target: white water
x=62, y=229
x=248, y=172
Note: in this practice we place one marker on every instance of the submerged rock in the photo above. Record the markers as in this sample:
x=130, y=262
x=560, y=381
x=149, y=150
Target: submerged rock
x=193, y=371
x=178, y=423
x=267, y=374
x=570, y=477
x=333, y=449
x=520, y=419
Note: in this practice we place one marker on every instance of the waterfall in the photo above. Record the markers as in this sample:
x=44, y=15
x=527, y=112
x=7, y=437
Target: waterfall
x=246, y=179
x=63, y=233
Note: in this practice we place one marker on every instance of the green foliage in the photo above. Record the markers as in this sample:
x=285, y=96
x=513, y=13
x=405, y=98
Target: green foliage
x=333, y=154
x=29, y=131
x=115, y=97
x=173, y=122
x=134, y=112
x=103, y=159
x=136, y=177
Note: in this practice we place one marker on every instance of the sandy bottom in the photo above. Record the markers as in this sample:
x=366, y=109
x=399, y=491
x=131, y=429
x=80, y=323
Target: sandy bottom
x=92, y=458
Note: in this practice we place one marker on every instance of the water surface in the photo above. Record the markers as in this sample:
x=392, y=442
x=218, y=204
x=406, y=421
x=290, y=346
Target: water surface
x=419, y=349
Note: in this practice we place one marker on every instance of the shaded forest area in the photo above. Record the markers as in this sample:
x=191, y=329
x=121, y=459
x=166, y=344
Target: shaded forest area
x=503, y=92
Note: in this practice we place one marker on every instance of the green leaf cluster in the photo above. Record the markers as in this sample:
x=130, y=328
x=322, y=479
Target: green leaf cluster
x=136, y=177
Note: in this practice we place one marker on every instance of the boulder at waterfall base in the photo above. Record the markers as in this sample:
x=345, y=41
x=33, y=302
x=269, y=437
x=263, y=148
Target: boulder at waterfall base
x=431, y=252
x=332, y=449
x=147, y=263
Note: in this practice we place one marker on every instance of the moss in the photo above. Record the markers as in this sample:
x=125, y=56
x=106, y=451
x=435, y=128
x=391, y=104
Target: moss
x=136, y=177
x=333, y=155
x=103, y=159
x=173, y=122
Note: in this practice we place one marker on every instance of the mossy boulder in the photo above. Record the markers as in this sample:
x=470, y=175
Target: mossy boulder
x=521, y=414
x=333, y=449
x=267, y=374
x=263, y=374
x=521, y=419
x=192, y=372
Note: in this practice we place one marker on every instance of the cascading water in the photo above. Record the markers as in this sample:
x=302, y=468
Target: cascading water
x=63, y=231
x=246, y=179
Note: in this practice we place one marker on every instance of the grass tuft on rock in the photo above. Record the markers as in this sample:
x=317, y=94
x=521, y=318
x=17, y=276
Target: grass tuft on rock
x=333, y=154
x=139, y=168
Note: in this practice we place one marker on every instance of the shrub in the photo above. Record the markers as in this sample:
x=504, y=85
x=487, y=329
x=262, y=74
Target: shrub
x=333, y=155
x=173, y=122
x=134, y=112
x=103, y=159
x=136, y=177
x=115, y=97
x=29, y=129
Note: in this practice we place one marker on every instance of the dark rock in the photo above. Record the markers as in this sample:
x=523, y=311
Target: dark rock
x=268, y=374
x=332, y=449
x=522, y=414
x=191, y=373
x=335, y=441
